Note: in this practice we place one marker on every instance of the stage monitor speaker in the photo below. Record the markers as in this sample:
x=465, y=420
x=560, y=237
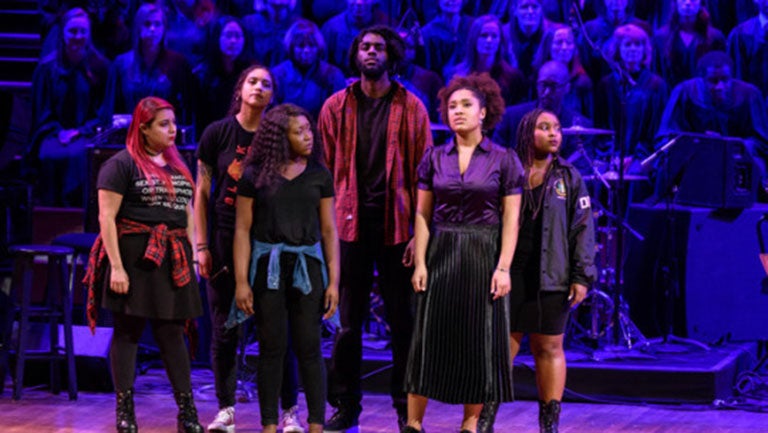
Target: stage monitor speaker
x=99, y=154
x=711, y=171
x=718, y=276
x=91, y=357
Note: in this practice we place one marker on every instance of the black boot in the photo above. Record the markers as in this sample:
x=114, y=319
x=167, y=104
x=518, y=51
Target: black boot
x=549, y=416
x=126, y=414
x=187, y=419
x=487, y=417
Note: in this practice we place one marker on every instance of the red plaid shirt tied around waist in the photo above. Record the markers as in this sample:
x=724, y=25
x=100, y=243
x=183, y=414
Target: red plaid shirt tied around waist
x=160, y=239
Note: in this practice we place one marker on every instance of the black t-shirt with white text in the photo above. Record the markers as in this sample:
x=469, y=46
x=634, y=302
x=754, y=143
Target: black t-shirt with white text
x=143, y=202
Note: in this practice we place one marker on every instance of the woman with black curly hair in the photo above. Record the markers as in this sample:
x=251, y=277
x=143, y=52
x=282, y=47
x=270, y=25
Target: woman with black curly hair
x=284, y=214
x=465, y=234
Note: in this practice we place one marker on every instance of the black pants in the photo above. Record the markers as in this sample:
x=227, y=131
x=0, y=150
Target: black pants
x=221, y=292
x=357, y=265
x=169, y=336
x=275, y=310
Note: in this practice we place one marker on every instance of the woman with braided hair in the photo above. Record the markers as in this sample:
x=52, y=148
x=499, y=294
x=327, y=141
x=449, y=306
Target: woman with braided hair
x=554, y=260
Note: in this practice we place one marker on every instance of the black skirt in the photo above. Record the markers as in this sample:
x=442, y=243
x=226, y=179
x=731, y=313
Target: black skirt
x=531, y=310
x=460, y=346
x=151, y=293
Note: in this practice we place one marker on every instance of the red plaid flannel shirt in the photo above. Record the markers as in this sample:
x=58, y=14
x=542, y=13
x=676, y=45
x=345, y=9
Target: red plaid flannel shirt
x=408, y=136
x=160, y=238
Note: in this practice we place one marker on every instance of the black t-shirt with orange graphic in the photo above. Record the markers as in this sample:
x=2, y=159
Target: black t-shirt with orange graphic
x=223, y=147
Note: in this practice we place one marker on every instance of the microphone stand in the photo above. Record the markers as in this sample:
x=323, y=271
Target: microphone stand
x=618, y=209
x=590, y=162
x=667, y=263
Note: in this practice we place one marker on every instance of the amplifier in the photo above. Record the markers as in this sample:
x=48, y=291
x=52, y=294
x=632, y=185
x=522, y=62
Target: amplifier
x=710, y=171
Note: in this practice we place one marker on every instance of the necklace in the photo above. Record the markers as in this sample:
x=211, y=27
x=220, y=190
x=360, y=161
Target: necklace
x=530, y=201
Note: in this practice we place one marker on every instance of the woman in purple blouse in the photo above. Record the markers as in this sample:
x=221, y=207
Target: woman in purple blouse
x=465, y=234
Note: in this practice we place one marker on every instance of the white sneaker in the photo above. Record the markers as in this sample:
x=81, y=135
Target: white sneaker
x=290, y=421
x=224, y=421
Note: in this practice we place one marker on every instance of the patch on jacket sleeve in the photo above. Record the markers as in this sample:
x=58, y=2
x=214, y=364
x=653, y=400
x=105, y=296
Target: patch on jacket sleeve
x=584, y=202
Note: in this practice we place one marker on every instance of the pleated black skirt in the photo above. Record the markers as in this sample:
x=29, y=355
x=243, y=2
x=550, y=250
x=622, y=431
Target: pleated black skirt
x=460, y=347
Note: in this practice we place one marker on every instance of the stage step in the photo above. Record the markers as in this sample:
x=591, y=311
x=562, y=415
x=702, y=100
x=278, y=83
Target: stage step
x=20, y=45
x=19, y=20
x=695, y=377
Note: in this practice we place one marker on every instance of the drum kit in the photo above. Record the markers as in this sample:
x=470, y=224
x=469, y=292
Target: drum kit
x=602, y=322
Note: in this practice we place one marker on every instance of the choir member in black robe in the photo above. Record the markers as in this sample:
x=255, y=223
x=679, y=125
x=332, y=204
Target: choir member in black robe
x=68, y=87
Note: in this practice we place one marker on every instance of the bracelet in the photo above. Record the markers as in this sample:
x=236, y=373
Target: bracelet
x=502, y=270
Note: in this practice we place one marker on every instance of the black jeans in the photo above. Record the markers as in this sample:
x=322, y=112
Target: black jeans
x=357, y=264
x=276, y=309
x=224, y=342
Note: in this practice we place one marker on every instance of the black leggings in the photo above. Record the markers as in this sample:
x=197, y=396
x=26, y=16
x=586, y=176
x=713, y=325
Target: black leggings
x=169, y=335
x=287, y=311
x=224, y=342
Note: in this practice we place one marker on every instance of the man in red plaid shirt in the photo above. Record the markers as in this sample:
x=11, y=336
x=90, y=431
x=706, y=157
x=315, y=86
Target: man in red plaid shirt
x=374, y=134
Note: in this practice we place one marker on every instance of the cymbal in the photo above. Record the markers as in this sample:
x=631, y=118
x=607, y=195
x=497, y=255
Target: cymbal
x=583, y=130
x=612, y=176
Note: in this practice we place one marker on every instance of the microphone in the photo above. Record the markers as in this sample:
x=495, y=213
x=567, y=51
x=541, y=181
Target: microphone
x=663, y=149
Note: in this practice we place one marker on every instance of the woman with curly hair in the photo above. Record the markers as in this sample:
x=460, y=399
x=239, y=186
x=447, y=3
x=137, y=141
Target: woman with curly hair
x=284, y=214
x=465, y=234
x=554, y=259
x=680, y=44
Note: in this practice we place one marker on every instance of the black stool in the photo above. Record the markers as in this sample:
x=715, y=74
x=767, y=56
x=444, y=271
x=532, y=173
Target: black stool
x=81, y=243
x=57, y=304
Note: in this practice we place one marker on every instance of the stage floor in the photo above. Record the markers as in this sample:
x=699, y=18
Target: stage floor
x=607, y=391
x=40, y=411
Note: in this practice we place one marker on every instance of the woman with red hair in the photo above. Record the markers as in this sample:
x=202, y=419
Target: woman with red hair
x=143, y=257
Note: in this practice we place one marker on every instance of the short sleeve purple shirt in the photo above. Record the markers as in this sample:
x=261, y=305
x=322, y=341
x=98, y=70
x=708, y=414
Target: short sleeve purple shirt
x=475, y=197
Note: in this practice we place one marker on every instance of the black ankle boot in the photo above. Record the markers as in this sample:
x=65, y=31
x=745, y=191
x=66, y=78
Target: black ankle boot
x=187, y=419
x=487, y=417
x=126, y=414
x=549, y=416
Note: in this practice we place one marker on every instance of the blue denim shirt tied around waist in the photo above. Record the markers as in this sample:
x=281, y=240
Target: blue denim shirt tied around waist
x=300, y=274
